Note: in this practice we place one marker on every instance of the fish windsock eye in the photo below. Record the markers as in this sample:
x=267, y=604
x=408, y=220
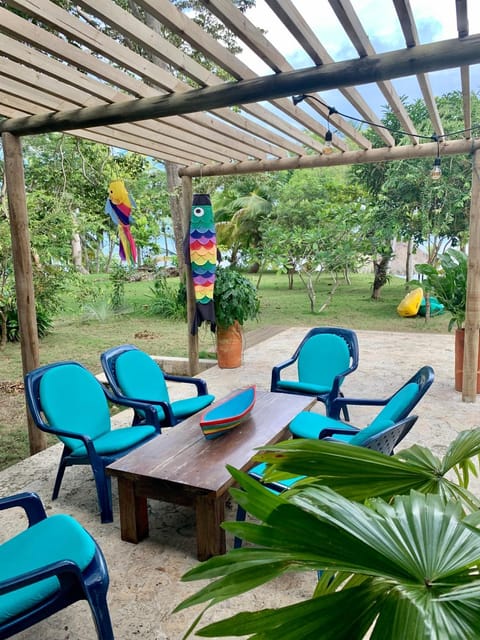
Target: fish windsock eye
x=198, y=211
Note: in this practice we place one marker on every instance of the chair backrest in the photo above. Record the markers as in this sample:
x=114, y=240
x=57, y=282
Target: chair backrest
x=400, y=404
x=386, y=440
x=139, y=376
x=326, y=352
x=70, y=398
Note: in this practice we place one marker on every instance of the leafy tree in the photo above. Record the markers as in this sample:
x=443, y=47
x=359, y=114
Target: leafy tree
x=67, y=186
x=243, y=206
x=317, y=227
x=408, y=203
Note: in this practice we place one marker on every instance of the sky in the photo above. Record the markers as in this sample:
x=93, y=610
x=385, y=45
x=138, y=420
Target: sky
x=435, y=19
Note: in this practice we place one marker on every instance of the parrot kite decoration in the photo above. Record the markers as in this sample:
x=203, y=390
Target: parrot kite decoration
x=202, y=256
x=119, y=205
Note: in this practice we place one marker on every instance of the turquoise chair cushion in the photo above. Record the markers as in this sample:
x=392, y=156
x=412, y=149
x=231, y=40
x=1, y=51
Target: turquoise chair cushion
x=364, y=434
x=309, y=425
x=184, y=408
x=139, y=376
x=392, y=412
x=59, y=537
x=321, y=358
x=302, y=387
x=395, y=408
x=73, y=400
x=117, y=440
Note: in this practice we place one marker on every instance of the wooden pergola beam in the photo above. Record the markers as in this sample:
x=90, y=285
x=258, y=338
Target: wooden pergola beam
x=22, y=266
x=395, y=64
x=384, y=154
x=472, y=316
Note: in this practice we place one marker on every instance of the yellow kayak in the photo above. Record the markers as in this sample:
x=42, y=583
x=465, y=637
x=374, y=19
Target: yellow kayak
x=410, y=304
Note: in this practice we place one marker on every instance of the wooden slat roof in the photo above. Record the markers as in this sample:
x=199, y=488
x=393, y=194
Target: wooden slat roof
x=62, y=69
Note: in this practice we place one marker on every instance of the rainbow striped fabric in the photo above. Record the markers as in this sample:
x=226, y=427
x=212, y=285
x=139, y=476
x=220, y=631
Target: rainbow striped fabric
x=119, y=206
x=203, y=258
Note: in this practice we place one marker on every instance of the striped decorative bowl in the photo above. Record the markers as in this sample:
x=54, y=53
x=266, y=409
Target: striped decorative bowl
x=227, y=414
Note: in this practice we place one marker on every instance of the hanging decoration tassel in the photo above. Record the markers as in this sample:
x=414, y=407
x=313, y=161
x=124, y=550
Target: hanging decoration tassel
x=118, y=206
x=203, y=259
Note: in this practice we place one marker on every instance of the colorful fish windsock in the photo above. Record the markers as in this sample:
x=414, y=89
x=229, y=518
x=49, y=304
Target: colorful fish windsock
x=203, y=259
x=118, y=206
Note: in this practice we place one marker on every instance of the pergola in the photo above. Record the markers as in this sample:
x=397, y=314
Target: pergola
x=60, y=72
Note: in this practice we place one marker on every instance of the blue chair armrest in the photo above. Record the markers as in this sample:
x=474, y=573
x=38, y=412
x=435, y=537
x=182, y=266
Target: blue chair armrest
x=28, y=501
x=276, y=372
x=147, y=406
x=201, y=384
x=30, y=577
x=329, y=431
x=338, y=403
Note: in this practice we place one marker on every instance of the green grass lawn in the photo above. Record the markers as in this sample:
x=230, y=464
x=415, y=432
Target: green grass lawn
x=74, y=337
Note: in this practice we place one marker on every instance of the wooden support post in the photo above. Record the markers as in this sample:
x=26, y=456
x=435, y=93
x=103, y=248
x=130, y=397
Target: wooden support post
x=193, y=359
x=472, y=318
x=22, y=266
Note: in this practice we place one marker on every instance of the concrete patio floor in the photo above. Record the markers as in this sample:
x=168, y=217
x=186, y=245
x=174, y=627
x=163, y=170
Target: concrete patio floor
x=145, y=578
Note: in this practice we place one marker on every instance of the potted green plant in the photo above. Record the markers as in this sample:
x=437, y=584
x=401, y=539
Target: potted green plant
x=236, y=301
x=448, y=282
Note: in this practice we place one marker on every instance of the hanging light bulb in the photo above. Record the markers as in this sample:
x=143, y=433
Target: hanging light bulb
x=436, y=172
x=328, y=148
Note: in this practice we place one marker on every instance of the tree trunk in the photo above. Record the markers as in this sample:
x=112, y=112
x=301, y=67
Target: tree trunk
x=409, y=261
x=174, y=187
x=77, y=246
x=23, y=270
x=381, y=275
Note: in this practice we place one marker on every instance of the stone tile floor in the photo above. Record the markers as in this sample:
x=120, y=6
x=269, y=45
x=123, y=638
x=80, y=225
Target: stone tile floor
x=145, y=578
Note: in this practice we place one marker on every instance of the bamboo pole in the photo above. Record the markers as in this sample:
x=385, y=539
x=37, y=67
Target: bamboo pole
x=423, y=58
x=22, y=265
x=472, y=317
x=193, y=359
x=383, y=154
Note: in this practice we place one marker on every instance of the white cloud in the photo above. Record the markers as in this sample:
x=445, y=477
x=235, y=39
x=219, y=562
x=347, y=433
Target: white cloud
x=435, y=21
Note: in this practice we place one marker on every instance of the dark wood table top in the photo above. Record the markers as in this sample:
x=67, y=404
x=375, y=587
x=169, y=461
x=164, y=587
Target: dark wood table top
x=182, y=456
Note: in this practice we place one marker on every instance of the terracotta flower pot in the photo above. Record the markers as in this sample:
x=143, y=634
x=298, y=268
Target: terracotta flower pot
x=230, y=346
x=459, y=349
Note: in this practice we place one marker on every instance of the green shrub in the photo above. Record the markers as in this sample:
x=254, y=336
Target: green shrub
x=165, y=300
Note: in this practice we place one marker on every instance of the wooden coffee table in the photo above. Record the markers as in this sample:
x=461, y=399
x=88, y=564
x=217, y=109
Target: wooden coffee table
x=185, y=468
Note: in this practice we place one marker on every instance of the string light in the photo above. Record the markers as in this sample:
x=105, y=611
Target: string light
x=328, y=148
x=436, y=171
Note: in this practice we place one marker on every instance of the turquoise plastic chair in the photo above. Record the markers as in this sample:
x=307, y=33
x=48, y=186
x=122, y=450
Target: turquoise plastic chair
x=48, y=566
x=133, y=374
x=395, y=408
x=67, y=400
x=383, y=441
x=323, y=359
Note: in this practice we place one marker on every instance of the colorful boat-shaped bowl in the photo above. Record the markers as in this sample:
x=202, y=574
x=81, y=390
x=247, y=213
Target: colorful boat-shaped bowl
x=228, y=414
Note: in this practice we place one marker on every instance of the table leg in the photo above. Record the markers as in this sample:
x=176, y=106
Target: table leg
x=210, y=512
x=133, y=512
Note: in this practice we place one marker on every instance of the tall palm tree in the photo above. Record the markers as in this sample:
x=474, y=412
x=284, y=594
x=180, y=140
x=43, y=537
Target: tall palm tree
x=243, y=229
